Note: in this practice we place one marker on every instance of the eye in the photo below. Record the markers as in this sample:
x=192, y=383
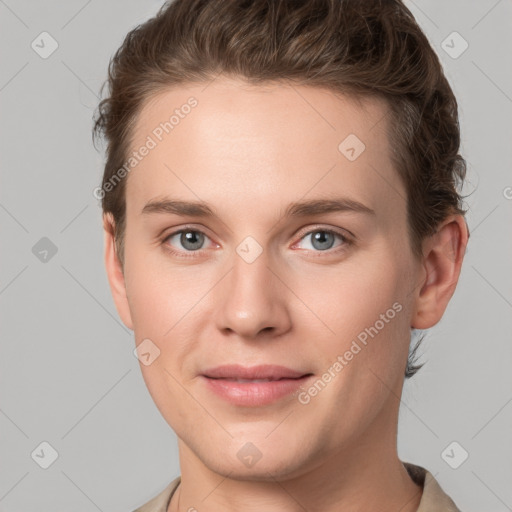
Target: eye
x=190, y=240
x=322, y=240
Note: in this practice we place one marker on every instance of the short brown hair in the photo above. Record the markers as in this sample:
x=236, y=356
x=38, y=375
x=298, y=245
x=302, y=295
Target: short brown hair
x=360, y=48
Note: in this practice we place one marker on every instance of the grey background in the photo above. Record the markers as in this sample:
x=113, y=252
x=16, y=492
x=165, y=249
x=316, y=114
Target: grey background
x=67, y=372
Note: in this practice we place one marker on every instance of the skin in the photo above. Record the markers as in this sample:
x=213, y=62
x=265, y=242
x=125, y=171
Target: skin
x=250, y=151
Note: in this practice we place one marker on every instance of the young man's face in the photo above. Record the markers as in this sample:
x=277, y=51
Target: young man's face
x=330, y=294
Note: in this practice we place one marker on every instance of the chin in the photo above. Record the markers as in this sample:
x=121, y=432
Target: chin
x=243, y=459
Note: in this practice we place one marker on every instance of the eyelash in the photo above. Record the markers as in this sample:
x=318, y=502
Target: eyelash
x=346, y=242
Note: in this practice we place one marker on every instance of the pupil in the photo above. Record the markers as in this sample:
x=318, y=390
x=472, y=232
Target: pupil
x=190, y=238
x=321, y=237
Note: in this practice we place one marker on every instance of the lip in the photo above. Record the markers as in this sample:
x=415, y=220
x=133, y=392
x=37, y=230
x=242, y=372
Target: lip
x=222, y=381
x=262, y=371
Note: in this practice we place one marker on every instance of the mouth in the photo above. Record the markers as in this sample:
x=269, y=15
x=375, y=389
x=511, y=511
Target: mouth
x=263, y=373
x=254, y=386
x=252, y=380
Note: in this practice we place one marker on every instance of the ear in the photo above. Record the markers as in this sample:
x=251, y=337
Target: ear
x=443, y=254
x=115, y=272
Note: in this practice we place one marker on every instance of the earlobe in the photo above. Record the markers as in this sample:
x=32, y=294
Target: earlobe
x=442, y=261
x=115, y=273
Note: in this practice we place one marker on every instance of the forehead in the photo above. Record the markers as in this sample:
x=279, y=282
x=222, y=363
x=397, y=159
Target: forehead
x=262, y=143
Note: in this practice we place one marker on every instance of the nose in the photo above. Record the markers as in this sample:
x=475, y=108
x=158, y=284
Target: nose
x=252, y=300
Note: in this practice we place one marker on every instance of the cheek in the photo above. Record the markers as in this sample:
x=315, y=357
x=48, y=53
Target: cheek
x=364, y=311
x=352, y=296
x=365, y=357
x=159, y=296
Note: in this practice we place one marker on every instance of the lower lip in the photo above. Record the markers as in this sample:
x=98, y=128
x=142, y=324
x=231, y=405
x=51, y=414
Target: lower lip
x=254, y=394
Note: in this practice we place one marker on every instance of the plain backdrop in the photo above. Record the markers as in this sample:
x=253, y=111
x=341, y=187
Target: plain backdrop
x=68, y=376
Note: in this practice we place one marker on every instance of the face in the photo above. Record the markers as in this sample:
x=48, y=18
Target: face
x=301, y=259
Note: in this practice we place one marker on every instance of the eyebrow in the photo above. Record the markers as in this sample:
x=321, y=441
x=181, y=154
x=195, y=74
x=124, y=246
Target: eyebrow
x=296, y=209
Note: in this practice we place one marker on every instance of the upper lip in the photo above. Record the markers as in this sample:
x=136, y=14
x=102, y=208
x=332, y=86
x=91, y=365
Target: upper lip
x=263, y=371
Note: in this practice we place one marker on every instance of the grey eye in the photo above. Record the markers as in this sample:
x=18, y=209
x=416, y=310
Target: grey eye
x=190, y=240
x=322, y=240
